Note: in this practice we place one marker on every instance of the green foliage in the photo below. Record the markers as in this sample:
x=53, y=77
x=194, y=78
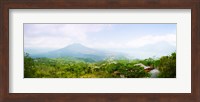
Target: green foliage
x=148, y=62
x=167, y=66
x=28, y=66
x=86, y=68
x=154, y=63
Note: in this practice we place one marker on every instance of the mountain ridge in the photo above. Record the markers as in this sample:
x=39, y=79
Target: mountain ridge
x=76, y=50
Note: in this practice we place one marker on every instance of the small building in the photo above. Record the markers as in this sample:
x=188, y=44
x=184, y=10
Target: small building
x=146, y=68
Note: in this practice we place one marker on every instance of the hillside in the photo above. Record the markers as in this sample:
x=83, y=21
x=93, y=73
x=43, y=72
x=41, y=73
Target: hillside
x=79, y=51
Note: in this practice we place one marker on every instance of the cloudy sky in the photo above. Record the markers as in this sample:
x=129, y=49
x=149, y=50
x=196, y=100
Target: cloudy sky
x=100, y=36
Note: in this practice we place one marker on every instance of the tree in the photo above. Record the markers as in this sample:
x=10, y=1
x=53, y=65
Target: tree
x=167, y=66
x=28, y=66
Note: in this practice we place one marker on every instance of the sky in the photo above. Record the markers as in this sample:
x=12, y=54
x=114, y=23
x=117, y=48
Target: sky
x=99, y=36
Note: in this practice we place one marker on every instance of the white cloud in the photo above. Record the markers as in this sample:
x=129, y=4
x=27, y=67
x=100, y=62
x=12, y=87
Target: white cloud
x=58, y=35
x=46, y=42
x=150, y=39
x=138, y=42
x=61, y=35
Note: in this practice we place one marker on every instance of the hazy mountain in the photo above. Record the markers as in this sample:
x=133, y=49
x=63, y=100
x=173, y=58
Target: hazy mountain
x=152, y=50
x=79, y=51
x=37, y=50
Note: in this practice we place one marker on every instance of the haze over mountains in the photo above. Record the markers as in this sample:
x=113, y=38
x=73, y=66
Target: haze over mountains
x=150, y=50
x=100, y=41
x=77, y=50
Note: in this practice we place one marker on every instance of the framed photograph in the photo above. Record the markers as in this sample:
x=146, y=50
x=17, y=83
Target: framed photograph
x=99, y=50
x=104, y=50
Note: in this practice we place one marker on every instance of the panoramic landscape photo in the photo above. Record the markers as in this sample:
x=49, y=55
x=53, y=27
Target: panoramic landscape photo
x=99, y=50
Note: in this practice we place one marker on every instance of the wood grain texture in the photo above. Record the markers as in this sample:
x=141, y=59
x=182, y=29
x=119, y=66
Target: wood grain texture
x=5, y=5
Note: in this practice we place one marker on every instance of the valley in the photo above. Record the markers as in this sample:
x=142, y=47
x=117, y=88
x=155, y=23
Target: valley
x=78, y=61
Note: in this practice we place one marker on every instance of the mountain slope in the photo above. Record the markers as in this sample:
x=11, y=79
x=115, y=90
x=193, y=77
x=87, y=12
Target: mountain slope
x=77, y=51
x=154, y=50
x=80, y=51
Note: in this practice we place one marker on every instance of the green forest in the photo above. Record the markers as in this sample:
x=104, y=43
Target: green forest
x=69, y=67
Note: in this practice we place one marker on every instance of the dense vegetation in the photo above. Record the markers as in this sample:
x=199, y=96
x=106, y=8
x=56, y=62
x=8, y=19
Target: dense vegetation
x=167, y=66
x=68, y=67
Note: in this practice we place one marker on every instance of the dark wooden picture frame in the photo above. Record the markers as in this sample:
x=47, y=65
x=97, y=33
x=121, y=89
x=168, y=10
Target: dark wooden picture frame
x=5, y=5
